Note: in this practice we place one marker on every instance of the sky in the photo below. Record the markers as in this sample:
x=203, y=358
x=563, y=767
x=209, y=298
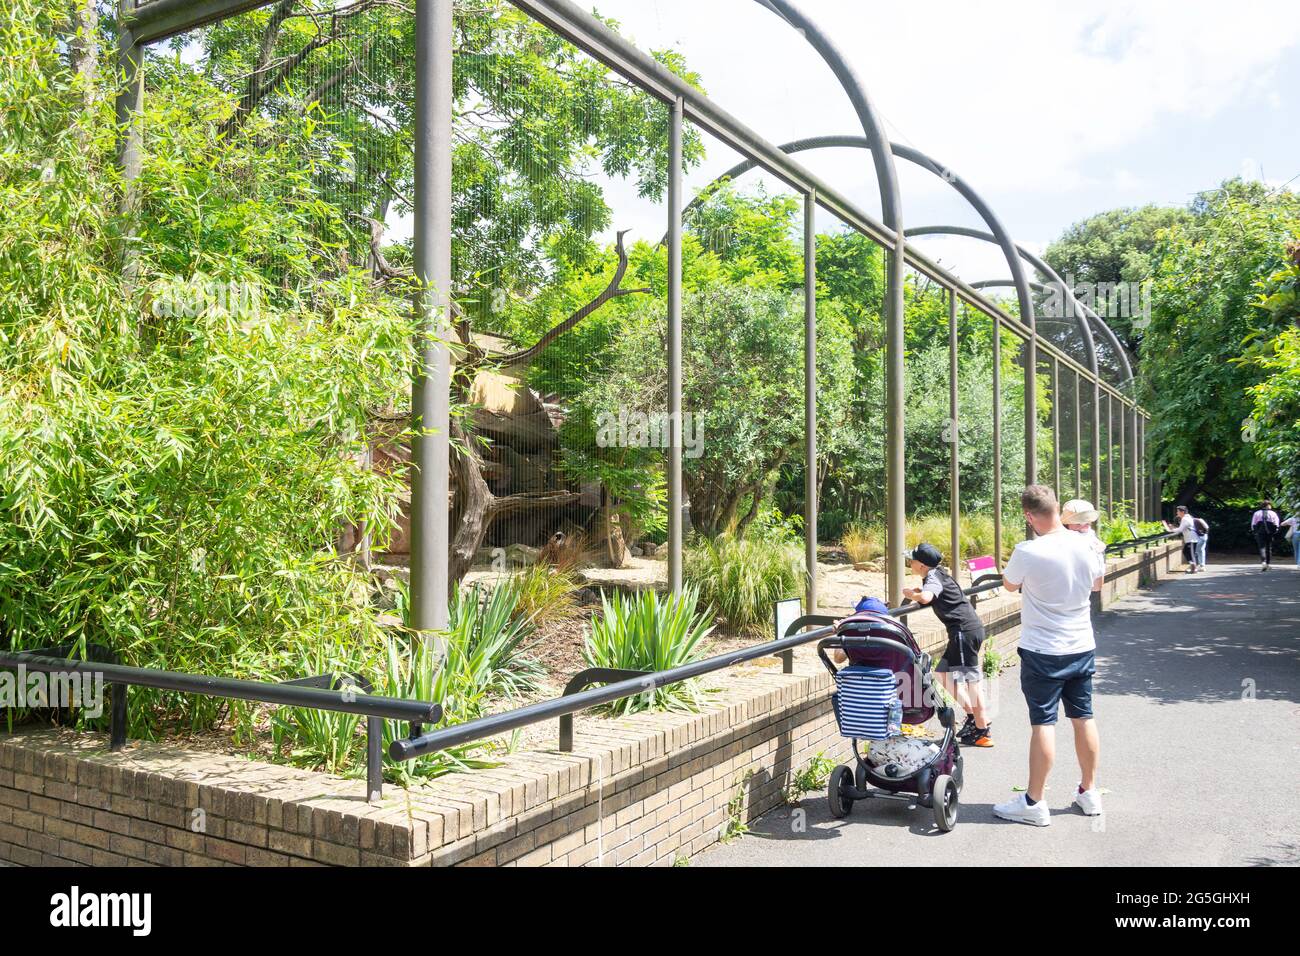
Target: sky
x=1052, y=111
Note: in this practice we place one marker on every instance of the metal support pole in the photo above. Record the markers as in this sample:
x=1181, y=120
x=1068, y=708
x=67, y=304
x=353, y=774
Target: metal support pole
x=374, y=759
x=1138, y=478
x=810, y=394
x=1134, y=453
x=997, y=440
x=1110, y=455
x=1123, y=462
x=129, y=104
x=1078, y=436
x=117, y=716
x=675, y=496
x=1030, y=355
x=1057, y=418
x=1147, y=496
x=954, y=425
x=1142, y=468
x=1094, y=457
x=895, y=432
x=431, y=387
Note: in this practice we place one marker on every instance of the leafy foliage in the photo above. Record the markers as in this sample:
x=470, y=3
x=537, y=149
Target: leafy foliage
x=1208, y=332
x=485, y=641
x=179, y=448
x=1116, y=246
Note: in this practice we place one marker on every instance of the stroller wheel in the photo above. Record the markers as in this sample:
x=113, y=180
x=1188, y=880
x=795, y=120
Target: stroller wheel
x=840, y=804
x=943, y=798
x=860, y=776
x=959, y=771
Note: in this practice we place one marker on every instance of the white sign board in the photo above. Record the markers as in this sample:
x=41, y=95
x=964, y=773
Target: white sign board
x=785, y=614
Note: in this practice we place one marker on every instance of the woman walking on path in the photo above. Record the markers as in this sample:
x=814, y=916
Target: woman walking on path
x=1185, y=525
x=1265, y=524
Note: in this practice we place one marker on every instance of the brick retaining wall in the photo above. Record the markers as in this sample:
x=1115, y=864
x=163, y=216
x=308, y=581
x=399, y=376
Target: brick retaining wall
x=644, y=790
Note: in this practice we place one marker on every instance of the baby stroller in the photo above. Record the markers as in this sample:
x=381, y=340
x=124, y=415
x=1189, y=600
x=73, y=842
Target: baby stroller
x=885, y=663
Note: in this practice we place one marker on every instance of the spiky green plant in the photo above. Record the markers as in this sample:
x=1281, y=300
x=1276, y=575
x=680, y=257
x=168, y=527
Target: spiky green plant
x=546, y=594
x=486, y=641
x=650, y=632
x=420, y=668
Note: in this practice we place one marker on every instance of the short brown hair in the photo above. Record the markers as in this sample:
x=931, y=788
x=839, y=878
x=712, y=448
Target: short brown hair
x=1039, y=500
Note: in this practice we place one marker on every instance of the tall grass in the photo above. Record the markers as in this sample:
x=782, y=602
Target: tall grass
x=546, y=594
x=650, y=632
x=865, y=541
x=742, y=578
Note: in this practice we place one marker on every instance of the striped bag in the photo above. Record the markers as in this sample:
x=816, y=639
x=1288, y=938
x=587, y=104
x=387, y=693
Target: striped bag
x=862, y=701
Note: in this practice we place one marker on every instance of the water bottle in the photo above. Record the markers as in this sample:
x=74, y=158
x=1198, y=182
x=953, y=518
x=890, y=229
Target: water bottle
x=895, y=726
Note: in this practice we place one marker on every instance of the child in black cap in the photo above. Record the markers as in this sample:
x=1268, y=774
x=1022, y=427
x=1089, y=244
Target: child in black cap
x=959, y=670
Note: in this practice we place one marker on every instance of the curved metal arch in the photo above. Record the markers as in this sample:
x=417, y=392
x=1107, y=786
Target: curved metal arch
x=1009, y=248
x=1044, y=288
x=1041, y=265
x=891, y=205
x=1020, y=252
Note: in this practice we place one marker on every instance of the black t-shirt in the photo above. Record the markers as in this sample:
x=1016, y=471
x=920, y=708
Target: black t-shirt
x=951, y=606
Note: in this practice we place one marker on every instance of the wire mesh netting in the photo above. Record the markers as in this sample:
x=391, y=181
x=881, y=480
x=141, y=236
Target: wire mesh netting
x=560, y=312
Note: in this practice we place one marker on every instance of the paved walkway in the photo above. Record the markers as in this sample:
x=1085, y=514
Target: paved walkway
x=1197, y=772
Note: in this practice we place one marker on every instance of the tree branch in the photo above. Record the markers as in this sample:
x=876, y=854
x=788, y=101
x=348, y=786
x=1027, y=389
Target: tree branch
x=611, y=291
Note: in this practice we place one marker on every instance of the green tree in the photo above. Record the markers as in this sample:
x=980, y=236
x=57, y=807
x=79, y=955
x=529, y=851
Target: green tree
x=1276, y=413
x=534, y=120
x=1114, y=247
x=1206, y=332
x=743, y=384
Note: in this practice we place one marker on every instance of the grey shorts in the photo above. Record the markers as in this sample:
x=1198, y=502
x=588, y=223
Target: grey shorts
x=961, y=674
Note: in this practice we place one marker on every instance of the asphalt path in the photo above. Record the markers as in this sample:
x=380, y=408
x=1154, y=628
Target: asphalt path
x=1197, y=699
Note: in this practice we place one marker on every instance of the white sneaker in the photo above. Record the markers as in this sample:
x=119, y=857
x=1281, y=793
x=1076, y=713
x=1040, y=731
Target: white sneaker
x=1018, y=810
x=1089, y=801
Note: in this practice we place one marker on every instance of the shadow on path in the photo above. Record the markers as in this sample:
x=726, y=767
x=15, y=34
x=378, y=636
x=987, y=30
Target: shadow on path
x=1211, y=636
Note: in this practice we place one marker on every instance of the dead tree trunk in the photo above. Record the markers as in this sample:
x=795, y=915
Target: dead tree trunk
x=476, y=508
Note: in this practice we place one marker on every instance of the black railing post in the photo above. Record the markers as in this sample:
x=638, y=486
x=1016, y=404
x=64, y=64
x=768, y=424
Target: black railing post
x=580, y=682
x=374, y=759
x=117, y=716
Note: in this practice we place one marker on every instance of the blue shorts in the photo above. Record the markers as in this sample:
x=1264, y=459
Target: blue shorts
x=1048, y=680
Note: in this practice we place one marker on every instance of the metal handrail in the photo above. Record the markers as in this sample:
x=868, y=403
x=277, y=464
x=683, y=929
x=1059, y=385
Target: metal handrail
x=307, y=693
x=1136, y=543
x=495, y=724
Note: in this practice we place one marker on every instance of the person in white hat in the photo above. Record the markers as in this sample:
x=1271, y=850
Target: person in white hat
x=1079, y=515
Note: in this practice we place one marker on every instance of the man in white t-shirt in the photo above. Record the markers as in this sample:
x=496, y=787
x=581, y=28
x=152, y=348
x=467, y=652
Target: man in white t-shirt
x=1056, y=573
